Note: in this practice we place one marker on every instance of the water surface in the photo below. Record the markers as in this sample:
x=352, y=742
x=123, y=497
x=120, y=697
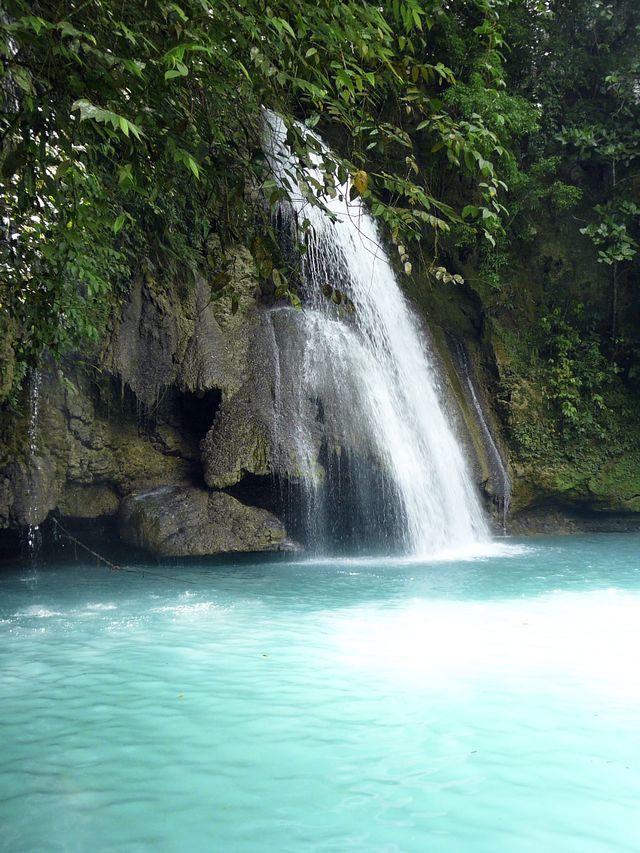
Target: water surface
x=486, y=704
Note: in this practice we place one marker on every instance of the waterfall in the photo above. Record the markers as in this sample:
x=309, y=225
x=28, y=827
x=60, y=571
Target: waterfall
x=500, y=480
x=359, y=414
x=33, y=534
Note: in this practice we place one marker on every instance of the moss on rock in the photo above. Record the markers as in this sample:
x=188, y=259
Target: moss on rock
x=94, y=501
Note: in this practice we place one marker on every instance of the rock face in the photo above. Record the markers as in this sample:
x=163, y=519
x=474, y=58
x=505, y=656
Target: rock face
x=180, y=337
x=87, y=456
x=554, y=520
x=130, y=419
x=187, y=392
x=258, y=429
x=241, y=439
x=185, y=522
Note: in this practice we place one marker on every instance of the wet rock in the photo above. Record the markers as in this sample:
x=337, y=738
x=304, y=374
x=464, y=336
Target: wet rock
x=85, y=458
x=7, y=498
x=94, y=501
x=557, y=521
x=241, y=438
x=183, y=522
x=146, y=341
x=275, y=424
x=33, y=489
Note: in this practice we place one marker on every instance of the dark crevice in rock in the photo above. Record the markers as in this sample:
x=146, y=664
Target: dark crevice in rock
x=351, y=509
x=10, y=545
x=560, y=518
x=279, y=495
x=115, y=401
x=98, y=534
x=198, y=411
x=264, y=492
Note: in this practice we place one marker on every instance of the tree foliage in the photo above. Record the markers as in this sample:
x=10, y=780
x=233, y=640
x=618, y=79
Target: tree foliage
x=130, y=134
x=131, y=141
x=583, y=67
x=561, y=288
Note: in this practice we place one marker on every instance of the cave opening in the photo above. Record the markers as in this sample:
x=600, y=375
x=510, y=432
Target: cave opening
x=197, y=411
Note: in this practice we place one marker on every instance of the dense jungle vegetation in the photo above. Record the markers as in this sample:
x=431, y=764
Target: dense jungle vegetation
x=497, y=142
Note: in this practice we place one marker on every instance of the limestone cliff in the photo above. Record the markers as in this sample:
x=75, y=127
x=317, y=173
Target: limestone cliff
x=130, y=419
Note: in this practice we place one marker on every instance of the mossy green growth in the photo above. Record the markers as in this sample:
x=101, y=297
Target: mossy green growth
x=574, y=428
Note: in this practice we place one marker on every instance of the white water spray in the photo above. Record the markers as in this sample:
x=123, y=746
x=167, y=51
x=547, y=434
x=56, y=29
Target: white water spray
x=370, y=381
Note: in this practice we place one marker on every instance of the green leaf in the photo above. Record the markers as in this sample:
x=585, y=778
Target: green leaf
x=67, y=29
x=469, y=159
x=23, y=78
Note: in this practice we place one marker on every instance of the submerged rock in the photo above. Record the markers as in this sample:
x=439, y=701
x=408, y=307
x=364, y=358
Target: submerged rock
x=189, y=521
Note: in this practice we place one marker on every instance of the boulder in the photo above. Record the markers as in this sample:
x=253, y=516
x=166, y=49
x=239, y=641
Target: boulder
x=189, y=521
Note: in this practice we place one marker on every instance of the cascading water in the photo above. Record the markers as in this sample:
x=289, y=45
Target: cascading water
x=33, y=534
x=358, y=403
x=500, y=480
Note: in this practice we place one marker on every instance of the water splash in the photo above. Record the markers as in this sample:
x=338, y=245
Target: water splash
x=362, y=412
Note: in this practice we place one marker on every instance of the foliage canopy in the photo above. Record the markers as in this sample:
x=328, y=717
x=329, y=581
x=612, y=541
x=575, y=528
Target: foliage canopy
x=130, y=134
x=130, y=141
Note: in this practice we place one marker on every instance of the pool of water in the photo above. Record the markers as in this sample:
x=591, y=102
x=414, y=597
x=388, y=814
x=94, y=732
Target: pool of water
x=478, y=704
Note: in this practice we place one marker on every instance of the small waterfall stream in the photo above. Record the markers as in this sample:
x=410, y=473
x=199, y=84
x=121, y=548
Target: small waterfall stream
x=373, y=446
x=500, y=480
x=33, y=534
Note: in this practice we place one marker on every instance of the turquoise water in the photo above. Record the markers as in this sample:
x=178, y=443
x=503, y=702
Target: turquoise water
x=488, y=704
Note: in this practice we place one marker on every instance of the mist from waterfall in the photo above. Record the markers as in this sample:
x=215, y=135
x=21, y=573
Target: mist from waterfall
x=359, y=412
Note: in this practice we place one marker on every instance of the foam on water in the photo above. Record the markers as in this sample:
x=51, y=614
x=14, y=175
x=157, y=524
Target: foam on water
x=477, y=551
x=563, y=642
x=35, y=612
